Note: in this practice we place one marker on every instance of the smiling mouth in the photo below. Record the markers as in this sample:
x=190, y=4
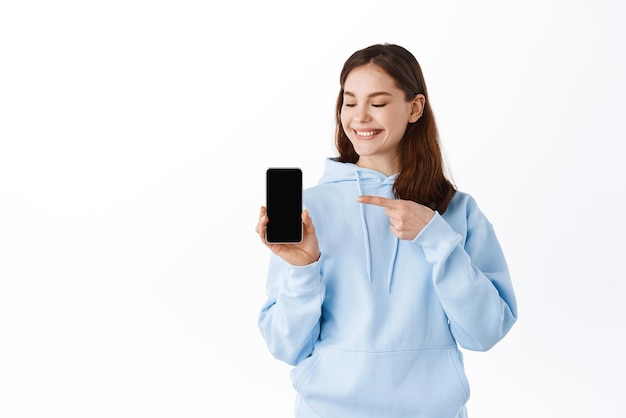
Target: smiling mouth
x=367, y=134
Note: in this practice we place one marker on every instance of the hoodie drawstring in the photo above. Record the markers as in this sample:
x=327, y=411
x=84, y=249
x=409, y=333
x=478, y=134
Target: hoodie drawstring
x=392, y=263
x=368, y=251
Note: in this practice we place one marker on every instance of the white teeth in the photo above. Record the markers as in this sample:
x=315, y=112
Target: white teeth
x=368, y=133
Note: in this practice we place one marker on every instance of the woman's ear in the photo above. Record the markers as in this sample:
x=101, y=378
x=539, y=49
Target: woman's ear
x=417, y=107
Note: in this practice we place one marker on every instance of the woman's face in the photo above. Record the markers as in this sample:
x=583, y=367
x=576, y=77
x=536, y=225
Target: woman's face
x=375, y=114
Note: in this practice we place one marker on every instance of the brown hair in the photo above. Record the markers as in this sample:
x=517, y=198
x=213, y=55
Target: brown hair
x=421, y=176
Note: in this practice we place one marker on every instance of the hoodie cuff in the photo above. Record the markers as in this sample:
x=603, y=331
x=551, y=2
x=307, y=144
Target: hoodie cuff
x=305, y=278
x=437, y=239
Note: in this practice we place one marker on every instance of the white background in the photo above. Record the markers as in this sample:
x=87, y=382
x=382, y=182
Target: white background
x=134, y=140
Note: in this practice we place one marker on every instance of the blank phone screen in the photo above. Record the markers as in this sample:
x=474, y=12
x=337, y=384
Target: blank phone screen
x=284, y=205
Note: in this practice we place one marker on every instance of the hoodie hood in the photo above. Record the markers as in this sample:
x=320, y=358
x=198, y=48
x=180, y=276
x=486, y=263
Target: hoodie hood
x=338, y=172
x=367, y=182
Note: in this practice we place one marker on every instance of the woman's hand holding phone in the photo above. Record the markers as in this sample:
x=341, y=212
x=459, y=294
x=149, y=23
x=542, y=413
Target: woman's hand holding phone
x=297, y=254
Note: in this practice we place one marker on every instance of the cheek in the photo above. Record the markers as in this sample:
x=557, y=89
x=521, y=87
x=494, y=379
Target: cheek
x=345, y=122
x=399, y=121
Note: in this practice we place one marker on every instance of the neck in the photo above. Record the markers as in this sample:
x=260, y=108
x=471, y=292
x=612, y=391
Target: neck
x=387, y=166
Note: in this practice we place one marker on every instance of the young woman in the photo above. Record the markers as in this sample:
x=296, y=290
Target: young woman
x=396, y=269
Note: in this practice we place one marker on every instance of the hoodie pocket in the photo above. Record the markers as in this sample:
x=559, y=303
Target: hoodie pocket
x=299, y=373
x=394, y=384
x=456, y=357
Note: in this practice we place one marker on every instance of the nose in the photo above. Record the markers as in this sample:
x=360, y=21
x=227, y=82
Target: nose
x=361, y=114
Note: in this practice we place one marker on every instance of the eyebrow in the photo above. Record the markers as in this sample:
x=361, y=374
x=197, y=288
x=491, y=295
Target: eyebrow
x=374, y=94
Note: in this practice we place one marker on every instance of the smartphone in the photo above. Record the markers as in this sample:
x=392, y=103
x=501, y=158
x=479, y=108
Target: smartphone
x=284, y=205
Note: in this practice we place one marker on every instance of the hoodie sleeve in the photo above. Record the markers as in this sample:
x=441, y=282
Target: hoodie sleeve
x=290, y=318
x=471, y=279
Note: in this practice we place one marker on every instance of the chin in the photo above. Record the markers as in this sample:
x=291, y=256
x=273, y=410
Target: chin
x=364, y=152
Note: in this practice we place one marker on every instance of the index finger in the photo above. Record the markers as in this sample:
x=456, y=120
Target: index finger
x=376, y=200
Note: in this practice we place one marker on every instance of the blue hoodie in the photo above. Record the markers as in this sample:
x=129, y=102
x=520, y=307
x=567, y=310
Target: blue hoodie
x=373, y=327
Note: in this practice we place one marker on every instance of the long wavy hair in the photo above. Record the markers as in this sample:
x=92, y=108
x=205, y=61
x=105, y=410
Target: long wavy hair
x=421, y=177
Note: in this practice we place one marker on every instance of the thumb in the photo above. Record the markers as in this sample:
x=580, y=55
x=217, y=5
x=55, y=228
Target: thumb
x=307, y=222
